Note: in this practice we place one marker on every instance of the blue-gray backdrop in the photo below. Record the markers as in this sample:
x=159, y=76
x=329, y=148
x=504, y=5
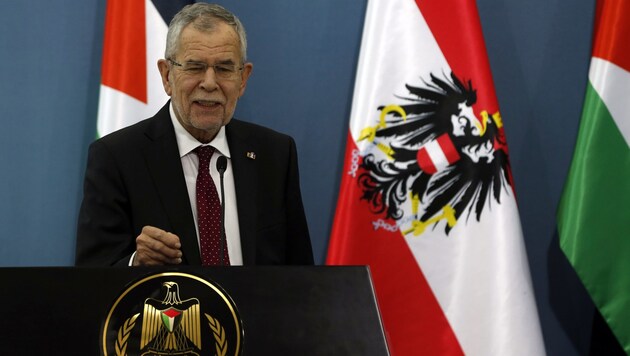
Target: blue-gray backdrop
x=305, y=55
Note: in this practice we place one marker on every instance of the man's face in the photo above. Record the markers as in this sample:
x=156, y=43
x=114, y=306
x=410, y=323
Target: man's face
x=204, y=101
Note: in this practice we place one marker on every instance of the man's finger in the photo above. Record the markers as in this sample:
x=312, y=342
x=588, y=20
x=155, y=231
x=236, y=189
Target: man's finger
x=156, y=247
x=169, y=239
x=149, y=257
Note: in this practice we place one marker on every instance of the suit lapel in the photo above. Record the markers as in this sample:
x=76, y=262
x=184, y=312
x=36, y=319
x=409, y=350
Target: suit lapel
x=164, y=163
x=245, y=181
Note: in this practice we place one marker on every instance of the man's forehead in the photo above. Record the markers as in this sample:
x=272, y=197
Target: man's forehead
x=220, y=40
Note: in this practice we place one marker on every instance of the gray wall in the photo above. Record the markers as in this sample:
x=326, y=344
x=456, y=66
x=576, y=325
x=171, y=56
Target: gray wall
x=305, y=53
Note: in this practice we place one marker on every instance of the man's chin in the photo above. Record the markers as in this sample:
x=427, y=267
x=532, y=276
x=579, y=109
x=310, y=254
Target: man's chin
x=205, y=130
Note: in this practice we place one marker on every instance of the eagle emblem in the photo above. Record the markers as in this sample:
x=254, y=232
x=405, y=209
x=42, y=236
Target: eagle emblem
x=171, y=325
x=141, y=323
x=433, y=159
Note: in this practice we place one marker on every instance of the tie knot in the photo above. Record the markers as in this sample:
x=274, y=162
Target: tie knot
x=204, y=153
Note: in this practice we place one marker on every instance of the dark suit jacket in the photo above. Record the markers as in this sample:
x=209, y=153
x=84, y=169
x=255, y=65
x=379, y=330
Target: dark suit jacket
x=134, y=178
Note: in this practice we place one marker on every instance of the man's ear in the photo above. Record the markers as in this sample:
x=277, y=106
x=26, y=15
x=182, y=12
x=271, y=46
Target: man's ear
x=247, y=71
x=165, y=71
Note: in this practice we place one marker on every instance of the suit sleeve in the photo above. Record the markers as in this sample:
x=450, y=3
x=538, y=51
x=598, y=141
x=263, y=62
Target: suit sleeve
x=104, y=231
x=298, y=240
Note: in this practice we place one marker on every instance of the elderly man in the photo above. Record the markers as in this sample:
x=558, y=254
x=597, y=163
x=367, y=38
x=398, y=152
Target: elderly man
x=151, y=192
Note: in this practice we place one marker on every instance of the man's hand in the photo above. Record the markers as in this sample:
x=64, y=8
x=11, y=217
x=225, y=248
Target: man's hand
x=156, y=247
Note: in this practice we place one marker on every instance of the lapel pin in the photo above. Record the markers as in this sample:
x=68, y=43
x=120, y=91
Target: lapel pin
x=251, y=155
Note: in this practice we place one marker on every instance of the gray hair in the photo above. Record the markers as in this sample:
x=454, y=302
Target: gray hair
x=203, y=17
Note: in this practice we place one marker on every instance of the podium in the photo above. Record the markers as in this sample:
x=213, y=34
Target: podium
x=281, y=310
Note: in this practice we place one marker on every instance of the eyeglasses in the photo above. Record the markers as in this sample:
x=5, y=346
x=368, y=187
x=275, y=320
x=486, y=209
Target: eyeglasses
x=222, y=71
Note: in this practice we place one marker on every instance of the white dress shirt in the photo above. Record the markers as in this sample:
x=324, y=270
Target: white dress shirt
x=186, y=143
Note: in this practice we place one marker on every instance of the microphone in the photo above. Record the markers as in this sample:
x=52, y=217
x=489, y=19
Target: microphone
x=221, y=167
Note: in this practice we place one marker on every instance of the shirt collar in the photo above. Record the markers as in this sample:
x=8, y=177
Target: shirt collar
x=186, y=142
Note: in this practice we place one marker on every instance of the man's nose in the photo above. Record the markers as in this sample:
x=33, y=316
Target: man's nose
x=209, y=80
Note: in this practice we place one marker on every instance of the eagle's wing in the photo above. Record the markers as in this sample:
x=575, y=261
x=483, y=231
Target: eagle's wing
x=429, y=112
x=151, y=323
x=191, y=321
x=468, y=184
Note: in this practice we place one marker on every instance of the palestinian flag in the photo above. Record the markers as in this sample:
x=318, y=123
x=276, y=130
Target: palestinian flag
x=594, y=213
x=426, y=198
x=135, y=38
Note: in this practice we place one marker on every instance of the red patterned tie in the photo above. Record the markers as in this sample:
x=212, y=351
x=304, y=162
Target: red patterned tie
x=209, y=212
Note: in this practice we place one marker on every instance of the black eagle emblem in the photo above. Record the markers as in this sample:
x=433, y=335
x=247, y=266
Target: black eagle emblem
x=438, y=153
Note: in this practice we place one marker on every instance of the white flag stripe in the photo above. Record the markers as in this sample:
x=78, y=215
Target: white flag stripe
x=477, y=274
x=437, y=155
x=117, y=110
x=156, y=45
x=609, y=80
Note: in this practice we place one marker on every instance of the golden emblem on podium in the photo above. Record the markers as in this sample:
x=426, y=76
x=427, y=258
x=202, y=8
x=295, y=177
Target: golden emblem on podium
x=172, y=313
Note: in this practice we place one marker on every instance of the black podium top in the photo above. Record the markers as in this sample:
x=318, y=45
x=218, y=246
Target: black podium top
x=284, y=310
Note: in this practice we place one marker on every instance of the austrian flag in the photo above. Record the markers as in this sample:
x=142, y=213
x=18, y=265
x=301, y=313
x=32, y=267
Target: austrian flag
x=427, y=199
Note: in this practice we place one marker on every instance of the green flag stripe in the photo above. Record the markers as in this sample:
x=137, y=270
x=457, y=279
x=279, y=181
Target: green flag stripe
x=594, y=214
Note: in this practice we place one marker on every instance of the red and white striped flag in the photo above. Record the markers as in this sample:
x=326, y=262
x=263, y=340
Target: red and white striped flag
x=427, y=198
x=135, y=38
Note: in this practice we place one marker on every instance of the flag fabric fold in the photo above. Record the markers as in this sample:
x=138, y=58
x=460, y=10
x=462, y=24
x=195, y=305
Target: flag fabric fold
x=593, y=212
x=426, y=198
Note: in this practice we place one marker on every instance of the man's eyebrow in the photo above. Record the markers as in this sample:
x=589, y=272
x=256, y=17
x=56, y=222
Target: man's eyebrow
x=225, y=61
